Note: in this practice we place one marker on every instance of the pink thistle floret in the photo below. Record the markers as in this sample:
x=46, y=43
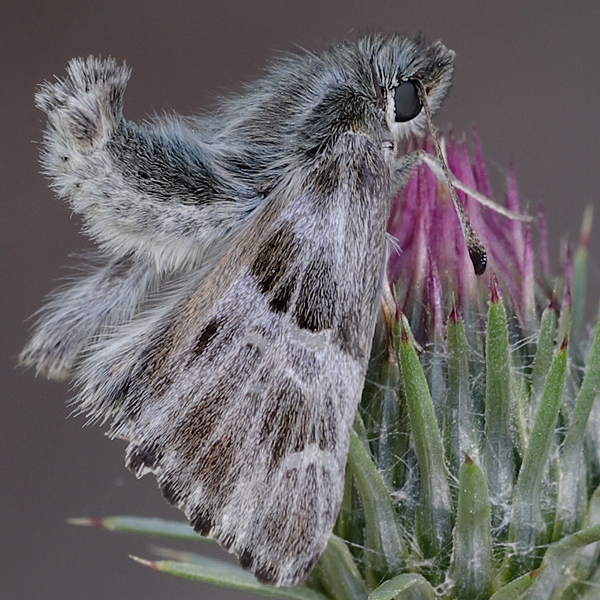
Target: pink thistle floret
x=429, y=264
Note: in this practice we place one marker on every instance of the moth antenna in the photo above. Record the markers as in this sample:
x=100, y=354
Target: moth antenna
x=476, y=250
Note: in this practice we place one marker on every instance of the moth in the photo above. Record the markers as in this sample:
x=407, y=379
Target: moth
x=225, y=326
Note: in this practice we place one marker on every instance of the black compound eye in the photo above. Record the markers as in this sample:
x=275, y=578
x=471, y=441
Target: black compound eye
x=407, y=102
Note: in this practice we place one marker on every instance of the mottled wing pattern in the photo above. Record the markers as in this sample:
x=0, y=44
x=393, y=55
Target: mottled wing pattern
x=242, y=406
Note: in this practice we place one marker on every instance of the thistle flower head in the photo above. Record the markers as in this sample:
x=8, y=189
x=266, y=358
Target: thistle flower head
x=430, y=264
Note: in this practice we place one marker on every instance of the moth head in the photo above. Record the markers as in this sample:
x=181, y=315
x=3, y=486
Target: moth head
x=375, y=87
x=407, y=73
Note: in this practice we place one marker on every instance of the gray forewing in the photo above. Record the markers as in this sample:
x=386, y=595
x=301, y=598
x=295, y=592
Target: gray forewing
x=243, y=406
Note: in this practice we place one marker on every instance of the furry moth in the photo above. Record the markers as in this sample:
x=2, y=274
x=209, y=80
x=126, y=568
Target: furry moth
x=225, y=327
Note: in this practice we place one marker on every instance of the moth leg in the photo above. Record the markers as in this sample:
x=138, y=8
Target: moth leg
x=389, y=309
x=154, y=189
x=85, y=310
x=407, y=162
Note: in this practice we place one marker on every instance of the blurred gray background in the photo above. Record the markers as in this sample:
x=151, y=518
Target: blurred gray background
x=527, y=74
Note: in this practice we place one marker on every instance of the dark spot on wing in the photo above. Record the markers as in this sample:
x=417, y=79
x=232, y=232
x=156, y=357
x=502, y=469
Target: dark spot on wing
x=208, y=437
x=207, y=335
x=347, y=335
x=170, y=491
x=292, y=422
x=282, y=296
x=140, y=457
x=246, y=558
x=134, y=387
x=226, y=541
x=273, y=532
x=267, y=573
x=198, y=424
x=201, y=522
x=273, y=258
x=213, y=472
x=224, y=388
x=323, y=431
x=315, y=307
x=285, y=422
